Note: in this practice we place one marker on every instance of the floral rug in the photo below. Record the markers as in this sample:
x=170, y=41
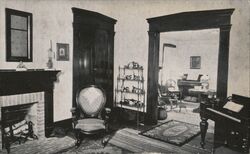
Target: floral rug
x=92, y=145
x=174, y=132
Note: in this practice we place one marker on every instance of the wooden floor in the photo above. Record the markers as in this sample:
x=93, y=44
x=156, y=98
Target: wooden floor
x=65, y=144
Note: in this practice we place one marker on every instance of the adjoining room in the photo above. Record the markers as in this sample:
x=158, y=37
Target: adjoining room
x=188, y=68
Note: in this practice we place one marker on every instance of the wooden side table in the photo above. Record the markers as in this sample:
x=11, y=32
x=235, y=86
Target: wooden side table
x=200, y=92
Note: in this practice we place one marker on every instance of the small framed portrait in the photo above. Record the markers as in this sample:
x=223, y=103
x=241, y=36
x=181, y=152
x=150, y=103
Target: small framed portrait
x=195, y=62
x=62, y=53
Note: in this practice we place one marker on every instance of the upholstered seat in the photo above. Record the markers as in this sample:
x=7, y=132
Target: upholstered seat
x=89, y=116
x=90, y=124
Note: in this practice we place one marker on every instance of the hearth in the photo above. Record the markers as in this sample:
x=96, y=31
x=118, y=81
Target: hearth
x=31, y=89
x=19, y=114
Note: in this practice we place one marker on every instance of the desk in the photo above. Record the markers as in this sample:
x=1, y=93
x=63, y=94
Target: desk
x=185, y=85
x=231, y=129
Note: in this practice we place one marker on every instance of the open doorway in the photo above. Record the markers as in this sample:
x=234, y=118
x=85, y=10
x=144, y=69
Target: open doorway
x=188, y=66
x=195, y=20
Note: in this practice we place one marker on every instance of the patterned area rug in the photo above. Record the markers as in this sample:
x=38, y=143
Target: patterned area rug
x=45, y=145
x=174, y=132
x=92, y=145
x=130, y=140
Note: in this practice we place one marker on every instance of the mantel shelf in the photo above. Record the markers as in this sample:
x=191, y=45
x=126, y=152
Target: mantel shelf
x=28, y=70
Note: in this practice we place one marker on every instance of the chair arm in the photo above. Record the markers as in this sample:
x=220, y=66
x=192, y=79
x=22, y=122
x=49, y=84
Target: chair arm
x=106, y=114
x=73, y=110
x=106, y=118
x=107, y=110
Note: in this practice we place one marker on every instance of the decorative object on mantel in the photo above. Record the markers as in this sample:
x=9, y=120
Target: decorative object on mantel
x=50, y=57
x=62, y=52
x=21, y=67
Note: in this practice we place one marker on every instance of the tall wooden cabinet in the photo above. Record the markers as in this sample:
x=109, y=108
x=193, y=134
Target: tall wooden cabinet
x=93, y=51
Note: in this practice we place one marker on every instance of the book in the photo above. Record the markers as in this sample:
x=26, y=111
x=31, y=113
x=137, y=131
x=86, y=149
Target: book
x=232, y=106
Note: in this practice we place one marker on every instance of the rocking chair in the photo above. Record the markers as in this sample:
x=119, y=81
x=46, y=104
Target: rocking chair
x=89, y=116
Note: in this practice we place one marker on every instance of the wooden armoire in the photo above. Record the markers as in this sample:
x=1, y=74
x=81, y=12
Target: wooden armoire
x=93, y=52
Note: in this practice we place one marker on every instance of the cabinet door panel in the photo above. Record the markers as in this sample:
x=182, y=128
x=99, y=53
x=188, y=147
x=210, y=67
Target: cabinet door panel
x=85, y=61
x=102, y=64
x=101, y=57
x=93, y=51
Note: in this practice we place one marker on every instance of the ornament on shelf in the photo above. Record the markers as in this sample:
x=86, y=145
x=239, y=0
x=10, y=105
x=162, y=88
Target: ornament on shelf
x=126, y=89
x=133, y=65
x=136, y=90
x=136, y=77
x=128, y=77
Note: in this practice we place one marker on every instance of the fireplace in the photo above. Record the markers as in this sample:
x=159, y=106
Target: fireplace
x=28, y=107
x=34, y=87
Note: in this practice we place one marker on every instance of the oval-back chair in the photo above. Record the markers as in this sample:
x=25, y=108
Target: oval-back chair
x=89, y=116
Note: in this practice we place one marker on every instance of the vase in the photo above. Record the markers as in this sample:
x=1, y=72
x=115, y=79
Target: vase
x=162, y=113
x=50, y=63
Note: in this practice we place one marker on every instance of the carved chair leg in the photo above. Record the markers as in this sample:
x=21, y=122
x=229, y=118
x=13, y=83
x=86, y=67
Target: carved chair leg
x=78, y=138
x=105, y=140
x=7, y=146
x=107, y=129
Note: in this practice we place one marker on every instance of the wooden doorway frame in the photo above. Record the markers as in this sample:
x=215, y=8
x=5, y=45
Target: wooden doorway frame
x=196, y=20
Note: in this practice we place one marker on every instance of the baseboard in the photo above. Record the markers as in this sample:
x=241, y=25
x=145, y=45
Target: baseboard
x=66, y=124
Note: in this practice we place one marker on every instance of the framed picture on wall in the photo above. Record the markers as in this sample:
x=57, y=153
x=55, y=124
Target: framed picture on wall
x=195, y=62
x=62, y=53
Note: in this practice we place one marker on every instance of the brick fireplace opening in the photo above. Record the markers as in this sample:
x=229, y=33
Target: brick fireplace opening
x=31, y=86
x=35, y=114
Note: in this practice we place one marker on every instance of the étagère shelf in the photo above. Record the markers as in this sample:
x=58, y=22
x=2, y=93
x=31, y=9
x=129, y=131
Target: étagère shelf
x=130, y=92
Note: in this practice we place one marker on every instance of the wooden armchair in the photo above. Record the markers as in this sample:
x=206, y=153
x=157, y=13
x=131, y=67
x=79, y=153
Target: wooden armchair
x=166, y=97
x=89, y=116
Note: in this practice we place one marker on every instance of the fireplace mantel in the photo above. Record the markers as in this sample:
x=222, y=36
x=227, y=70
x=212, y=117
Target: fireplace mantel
x=14, y=82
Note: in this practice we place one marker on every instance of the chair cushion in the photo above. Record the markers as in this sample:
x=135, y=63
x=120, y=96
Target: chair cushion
x=90, y=124
x=91, y=100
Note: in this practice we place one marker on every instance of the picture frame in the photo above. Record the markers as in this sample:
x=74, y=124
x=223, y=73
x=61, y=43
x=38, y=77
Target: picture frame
x=62, y=53
x=19, y=34
x=195, y=62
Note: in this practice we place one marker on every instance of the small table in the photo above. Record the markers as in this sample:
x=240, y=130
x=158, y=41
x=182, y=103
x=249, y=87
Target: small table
x=199, y=92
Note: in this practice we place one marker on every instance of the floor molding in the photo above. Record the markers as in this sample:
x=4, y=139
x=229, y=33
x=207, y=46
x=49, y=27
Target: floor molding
x=66, y=123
